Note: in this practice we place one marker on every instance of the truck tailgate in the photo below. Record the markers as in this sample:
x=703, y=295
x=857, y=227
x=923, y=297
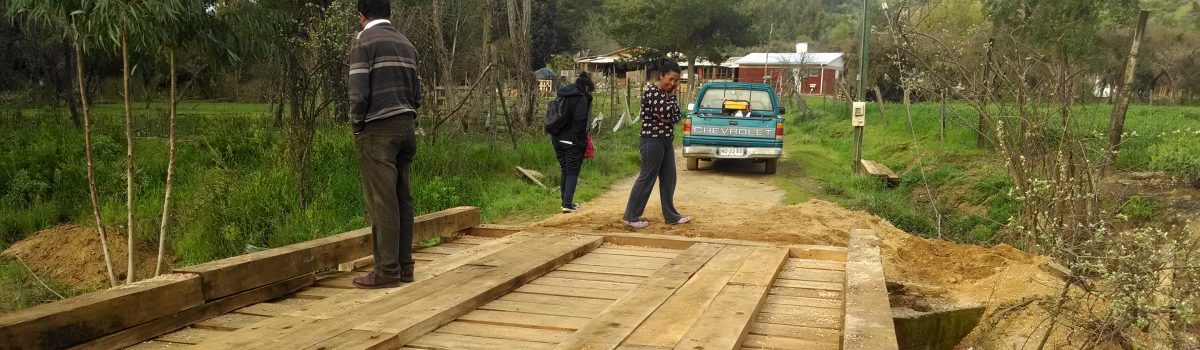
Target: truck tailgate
x=734, y=127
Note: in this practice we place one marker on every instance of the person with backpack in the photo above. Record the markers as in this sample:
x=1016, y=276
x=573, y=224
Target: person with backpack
x=567, y=124
x=660, y=113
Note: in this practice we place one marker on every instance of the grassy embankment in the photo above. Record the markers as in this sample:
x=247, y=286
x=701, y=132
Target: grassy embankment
x=234, y=186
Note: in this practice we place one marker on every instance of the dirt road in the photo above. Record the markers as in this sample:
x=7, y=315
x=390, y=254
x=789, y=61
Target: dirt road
x=726, y=199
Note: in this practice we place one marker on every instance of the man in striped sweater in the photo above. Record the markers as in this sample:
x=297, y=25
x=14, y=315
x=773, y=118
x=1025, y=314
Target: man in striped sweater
x=385, y=93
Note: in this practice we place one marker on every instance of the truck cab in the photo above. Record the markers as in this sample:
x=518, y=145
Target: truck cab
x=734, y=121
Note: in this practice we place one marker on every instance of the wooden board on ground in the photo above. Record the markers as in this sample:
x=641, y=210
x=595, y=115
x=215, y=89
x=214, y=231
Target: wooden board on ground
x=868, y=315
x=727, y=319
x=667, y=325
x=76, y=320
x=611, y=328
x=208, y=310
x=882, y=171
x=504, y=332
x=353, y=298
x=228, y=276
x=423, y=315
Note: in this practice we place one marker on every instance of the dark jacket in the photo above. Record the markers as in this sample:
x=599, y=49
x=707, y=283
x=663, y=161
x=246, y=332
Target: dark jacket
x=578, y=104
x=384, y=80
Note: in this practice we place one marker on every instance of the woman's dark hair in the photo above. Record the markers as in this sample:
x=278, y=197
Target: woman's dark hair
x=666, y=66
x=375, y=9
x=585, y=82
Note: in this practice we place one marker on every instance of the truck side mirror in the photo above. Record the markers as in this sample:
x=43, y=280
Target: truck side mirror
x=691, y=107
x=782, y=110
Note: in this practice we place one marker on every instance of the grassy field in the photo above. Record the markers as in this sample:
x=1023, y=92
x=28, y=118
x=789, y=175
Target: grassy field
x=234, y=187
x=970, y=186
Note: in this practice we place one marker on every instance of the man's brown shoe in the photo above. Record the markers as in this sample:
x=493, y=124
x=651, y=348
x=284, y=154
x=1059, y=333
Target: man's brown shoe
x=373, y=281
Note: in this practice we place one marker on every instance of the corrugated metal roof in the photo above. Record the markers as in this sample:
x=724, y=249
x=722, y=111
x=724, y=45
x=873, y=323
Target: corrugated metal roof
x=832, y=59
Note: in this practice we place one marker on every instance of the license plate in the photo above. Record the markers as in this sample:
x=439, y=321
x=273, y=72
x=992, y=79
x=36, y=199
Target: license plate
x=731, y=152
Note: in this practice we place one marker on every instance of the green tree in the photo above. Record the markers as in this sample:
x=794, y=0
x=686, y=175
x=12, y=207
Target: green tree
x=706, y=29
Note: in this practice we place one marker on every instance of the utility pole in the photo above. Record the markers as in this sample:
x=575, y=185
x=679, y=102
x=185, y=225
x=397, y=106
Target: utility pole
x=862, y=86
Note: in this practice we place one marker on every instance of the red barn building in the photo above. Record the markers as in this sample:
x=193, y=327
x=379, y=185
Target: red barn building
x=808, y=73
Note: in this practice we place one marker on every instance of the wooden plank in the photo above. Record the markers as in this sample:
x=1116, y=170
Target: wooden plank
x=345, y=280
x=568, y=301
x=621, y=261
x=812, y=334
x=443, y=341
x=880, y=170
x=353, y=298
x=264, y=309
x=823, y=318
x=624, y=271
x=727, y=319
x=613, y=326
x=543, y=309
x=602, y=277
x=293, y=326
x=809, y=285
x=358, y=340
x=445, y=248
x=476, y=240
x=317, y=293
x=868, y=316
x=801, y=310
x=233, y=275
x=755, y=341
x=190, y=335
x=504, y=332
x=427, y=257
x=807, y=293
x=76, y=320
x=817, y=252
x=258, y=335
x=572, y=291
x=813, y=275
x=614, y=250
x=815, y=265
x=521, y=319
x=642, y=248
x=187, y=317
x=567, y=282
x=671, y=242
x=667, y=325
x=760, y=269
x=158, y=345
x=230, y=322
x=427, y=314
x=802, y=301
x=493, y=230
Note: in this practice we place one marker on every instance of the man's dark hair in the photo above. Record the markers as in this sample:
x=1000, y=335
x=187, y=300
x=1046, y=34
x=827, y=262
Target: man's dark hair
x=585, y=83
x=375, y=9
x=666, y=66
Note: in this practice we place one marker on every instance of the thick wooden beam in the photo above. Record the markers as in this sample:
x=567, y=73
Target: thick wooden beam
x=868, y=323
x=76, y=320
x=233, y=275
x=149, y=330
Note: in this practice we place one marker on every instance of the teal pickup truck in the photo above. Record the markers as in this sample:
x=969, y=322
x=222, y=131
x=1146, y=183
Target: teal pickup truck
x=734, y=121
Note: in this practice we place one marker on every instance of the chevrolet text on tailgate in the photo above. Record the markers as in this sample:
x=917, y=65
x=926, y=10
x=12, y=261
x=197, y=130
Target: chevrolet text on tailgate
x=734, y=121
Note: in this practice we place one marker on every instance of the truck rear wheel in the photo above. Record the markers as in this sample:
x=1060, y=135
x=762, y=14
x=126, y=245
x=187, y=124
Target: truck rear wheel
x=772, y=166
x=693, y=163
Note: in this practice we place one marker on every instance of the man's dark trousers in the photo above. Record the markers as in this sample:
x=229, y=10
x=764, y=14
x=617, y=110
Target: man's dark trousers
x=385, y=150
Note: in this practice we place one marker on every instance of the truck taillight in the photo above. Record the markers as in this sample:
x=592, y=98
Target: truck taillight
x=687, y=126
x=779, y=131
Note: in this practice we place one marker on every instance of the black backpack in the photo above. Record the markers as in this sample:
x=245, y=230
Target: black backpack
x=556, y=118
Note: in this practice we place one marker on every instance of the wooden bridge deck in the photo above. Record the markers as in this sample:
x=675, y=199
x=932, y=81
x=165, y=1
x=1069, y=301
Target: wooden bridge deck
x=497, y=289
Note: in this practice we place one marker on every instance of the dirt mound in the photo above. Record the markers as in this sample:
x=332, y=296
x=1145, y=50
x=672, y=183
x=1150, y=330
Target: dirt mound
x=72, y=254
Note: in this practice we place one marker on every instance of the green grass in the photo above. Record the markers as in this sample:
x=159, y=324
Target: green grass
x=21, y=290
x=234, y=186
x=971, y=185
